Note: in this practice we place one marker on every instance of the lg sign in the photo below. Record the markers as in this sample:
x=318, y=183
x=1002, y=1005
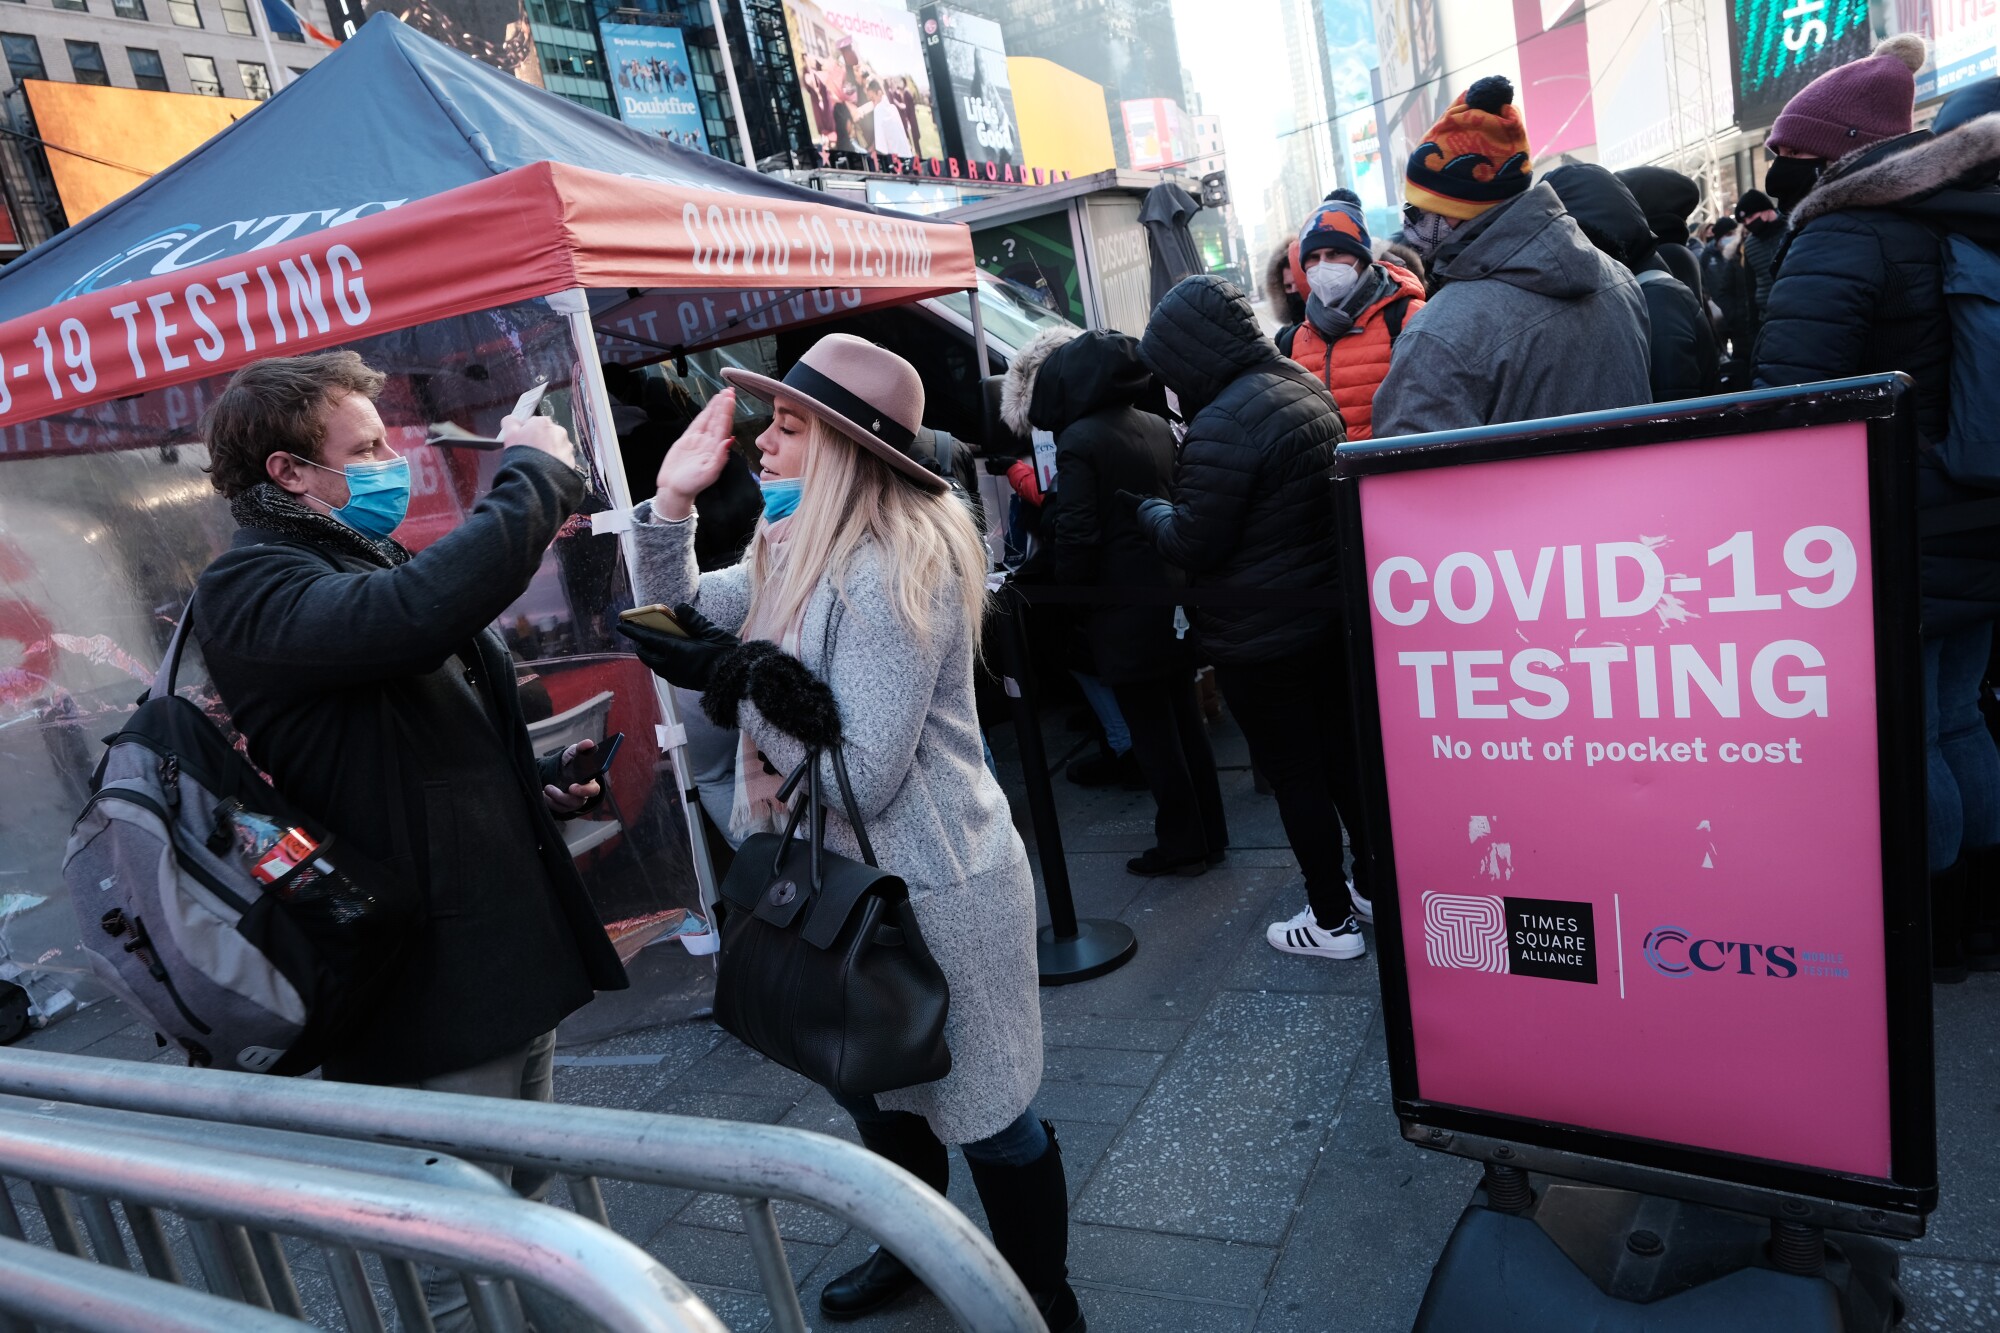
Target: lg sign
x=1674, y=952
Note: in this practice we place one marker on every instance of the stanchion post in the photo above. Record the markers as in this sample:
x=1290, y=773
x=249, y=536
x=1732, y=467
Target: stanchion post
x=1067, y=949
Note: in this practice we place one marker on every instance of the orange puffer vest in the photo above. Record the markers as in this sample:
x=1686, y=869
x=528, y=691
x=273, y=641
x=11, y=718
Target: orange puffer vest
x=1360, y=359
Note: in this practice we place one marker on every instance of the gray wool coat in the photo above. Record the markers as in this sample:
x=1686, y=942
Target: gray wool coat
x=1529, y=320
x=934, y=814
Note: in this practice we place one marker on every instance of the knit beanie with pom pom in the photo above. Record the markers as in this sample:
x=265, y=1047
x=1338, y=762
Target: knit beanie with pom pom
x=1858, y=104
x=1476, y=156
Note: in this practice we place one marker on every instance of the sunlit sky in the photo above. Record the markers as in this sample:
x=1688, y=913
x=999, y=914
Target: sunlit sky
x=1234, y=52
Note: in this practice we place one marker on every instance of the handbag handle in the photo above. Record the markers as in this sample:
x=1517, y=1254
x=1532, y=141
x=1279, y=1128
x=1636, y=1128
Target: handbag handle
x=807, y=773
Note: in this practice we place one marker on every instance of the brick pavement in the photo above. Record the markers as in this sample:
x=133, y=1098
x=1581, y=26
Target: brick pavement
x=1224, y=1112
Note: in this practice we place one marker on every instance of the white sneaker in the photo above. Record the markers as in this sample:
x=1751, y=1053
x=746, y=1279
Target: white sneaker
x=1303, y=934
x=1363, y=909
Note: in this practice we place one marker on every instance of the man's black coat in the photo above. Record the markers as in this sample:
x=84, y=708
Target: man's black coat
x=379, y=699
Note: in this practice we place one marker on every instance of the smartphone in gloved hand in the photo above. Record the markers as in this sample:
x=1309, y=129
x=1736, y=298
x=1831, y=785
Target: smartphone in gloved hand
x=658, y=616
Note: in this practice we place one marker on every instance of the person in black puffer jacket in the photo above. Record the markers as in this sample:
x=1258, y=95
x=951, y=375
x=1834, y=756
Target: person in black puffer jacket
x=1859, y=289
x=1682, y=360
x=1668, y=199
x=1085, y=393
x=1253, y=508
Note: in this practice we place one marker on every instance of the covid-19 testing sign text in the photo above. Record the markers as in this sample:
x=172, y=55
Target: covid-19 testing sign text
x=1631, y=758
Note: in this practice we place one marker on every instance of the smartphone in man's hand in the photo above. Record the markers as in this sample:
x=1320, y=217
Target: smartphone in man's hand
x=590, y=765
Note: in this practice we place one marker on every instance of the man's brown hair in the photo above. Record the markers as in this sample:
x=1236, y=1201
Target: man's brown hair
x=278, y=406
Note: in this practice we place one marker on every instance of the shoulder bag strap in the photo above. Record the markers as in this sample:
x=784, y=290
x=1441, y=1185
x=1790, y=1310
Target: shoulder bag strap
x=847, y=802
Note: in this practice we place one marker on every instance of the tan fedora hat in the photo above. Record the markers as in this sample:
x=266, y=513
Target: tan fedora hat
x=867, y=393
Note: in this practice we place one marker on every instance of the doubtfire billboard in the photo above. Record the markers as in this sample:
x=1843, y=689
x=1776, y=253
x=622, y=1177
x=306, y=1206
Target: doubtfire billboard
x=968, y=64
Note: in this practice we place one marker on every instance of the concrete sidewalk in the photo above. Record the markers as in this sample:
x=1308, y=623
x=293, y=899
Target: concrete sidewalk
x=1224, y=1114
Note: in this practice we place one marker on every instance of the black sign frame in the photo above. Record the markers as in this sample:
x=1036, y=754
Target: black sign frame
x=1895, y=1205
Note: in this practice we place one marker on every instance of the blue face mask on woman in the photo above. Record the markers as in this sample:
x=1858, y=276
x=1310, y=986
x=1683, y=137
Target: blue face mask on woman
x=378, y=494
x=781, y=496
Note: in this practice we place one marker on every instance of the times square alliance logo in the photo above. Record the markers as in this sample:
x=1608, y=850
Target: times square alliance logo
x=1527, y=937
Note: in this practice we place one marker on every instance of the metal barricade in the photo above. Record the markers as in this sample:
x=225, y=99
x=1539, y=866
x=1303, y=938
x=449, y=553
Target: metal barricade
x=493, y=1303
x=65, y=1292
x=230, y=1198
x=755, y=1163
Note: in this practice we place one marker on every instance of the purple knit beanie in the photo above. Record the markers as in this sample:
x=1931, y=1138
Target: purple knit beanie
x=1860, y=103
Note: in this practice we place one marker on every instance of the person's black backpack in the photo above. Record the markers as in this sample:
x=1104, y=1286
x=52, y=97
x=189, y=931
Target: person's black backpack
x=225, y=917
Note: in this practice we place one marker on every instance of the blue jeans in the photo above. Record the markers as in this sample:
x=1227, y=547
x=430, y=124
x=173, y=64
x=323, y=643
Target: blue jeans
x=1105, y=704
x=1021, y=1143
x=1962, y=767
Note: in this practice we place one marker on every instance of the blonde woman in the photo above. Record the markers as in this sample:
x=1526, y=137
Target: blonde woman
x=861, y=592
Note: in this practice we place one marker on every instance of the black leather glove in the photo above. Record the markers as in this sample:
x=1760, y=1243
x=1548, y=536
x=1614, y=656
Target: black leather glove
x=687, y=662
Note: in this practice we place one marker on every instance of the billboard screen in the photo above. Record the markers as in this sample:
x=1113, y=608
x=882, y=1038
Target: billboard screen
x=1156, y=133
x=968, y=65
x=652, y=83
x=861, y=73
x=1963, y=39
x=495, y=32
x=100, y=127
x=1638, y=721
x=1777, y=47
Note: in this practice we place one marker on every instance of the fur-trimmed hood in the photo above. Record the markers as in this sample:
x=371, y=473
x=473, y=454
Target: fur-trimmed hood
x=1286, y=307
x=1902, y=170
x=1017, y=391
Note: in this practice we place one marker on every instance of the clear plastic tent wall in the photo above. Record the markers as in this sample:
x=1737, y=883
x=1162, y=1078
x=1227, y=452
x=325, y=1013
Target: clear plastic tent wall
x=107, y=518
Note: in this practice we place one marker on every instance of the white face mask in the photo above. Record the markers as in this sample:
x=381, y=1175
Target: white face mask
x=1331, y=282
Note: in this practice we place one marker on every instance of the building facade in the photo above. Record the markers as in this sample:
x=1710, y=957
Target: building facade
x=210, y=47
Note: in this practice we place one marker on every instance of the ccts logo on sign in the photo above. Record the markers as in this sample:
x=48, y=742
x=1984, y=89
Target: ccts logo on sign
x=1673, y=951
x=1528, y=937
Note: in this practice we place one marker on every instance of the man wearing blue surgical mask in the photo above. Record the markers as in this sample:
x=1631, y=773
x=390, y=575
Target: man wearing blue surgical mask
x=368, y=682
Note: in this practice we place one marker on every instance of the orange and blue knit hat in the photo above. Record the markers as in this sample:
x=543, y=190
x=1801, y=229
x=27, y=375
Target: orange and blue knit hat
x=1338, y=225
x=1476, y=156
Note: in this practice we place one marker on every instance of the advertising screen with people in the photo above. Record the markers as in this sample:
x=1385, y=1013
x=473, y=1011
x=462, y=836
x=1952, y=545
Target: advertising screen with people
x=493, y=31
x=862, y=75
x=653, y=83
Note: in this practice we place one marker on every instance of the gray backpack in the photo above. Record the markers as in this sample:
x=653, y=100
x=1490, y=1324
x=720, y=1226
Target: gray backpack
x=233, y=923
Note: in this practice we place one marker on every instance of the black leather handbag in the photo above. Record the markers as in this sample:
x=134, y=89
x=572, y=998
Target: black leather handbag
x=823, y=968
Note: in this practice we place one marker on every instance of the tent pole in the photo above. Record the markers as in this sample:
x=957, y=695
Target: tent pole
x=735, y=93
x=979, y=332
x=596, y=409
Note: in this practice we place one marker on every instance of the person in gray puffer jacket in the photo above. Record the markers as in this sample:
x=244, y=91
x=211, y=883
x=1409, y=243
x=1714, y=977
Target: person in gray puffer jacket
x=1527, y=318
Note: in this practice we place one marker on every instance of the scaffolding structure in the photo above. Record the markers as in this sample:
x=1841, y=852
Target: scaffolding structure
x=1691, y=101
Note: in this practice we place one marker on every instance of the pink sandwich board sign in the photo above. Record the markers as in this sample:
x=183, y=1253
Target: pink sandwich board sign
x=1640, y=713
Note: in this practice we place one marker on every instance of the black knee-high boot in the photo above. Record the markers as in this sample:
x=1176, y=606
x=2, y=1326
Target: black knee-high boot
x=882, y=1277
x=1027, y=1208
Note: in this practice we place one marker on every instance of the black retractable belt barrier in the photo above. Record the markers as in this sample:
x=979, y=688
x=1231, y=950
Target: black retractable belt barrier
x=1068, y=949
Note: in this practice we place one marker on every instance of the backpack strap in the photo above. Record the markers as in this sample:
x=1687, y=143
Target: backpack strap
x=1393, y=315
x=170, y=662
x=1286, y=338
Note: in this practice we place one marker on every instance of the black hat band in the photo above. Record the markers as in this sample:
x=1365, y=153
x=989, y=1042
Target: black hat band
x=855, y=408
